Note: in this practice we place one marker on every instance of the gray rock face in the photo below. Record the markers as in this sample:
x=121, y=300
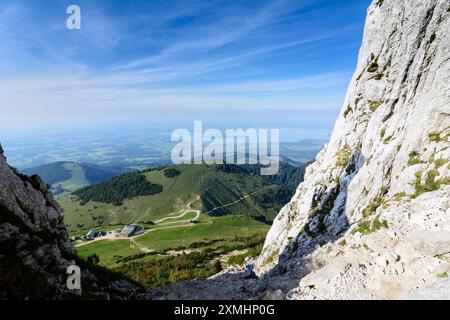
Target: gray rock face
x=35, y=249
x=380, y=188
x=223, y=286
x=34, y=244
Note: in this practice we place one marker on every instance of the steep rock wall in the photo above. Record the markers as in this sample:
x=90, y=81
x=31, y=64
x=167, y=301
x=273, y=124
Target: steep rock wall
x=35, y=249
x=379, y=191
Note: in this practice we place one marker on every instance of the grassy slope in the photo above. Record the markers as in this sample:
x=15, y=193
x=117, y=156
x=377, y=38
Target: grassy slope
x=200, y=187
x=215, y=188
x=77, y=180
x=223, y=228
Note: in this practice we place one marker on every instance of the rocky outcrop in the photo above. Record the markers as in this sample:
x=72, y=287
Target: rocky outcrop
x=228, y=285
x=372, y=218
x=35, y=249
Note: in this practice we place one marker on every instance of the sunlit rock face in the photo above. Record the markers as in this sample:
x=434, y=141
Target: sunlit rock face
x=372, y=218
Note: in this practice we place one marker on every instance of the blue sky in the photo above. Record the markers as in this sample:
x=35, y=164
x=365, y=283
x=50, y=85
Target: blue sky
x=278, y=63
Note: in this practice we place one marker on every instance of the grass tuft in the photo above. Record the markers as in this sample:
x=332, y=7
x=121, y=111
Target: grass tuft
x=374, y=105
x=366, y=227
x=435, y=136
x=347, y=111
x=343, y=156
x=414, y=158
x=372, y=208
x=373, y=66
x=431, y=184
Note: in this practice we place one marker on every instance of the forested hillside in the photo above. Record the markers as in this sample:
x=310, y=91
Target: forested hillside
x=117, y=189
x=155, y=193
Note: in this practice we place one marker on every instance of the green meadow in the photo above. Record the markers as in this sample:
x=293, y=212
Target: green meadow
x=163, y=238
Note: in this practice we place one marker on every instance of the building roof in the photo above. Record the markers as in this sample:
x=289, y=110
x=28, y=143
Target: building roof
x=129, y=228
x=92, y=233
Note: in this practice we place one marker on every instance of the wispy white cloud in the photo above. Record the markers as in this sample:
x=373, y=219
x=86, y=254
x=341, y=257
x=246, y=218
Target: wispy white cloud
x=225, y=31
x=123, y=66
x=74, y=97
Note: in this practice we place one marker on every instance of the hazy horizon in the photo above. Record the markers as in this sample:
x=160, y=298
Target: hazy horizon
x=111, y=145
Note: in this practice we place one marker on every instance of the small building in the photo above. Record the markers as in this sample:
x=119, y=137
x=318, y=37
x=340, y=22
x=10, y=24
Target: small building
x=132, y=230
x=92, y=234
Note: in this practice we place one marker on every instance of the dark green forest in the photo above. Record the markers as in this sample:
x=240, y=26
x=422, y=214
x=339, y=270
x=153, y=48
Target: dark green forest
x=117, y=189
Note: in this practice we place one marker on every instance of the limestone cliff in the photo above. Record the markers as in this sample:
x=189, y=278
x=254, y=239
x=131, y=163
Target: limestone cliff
x=35, y=249
x=372, y=218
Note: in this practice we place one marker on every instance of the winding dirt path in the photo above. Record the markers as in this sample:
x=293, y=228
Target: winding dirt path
x=185, y=223
x=184, y=212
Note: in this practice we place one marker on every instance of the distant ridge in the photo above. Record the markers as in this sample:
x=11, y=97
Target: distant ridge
x=65, y=176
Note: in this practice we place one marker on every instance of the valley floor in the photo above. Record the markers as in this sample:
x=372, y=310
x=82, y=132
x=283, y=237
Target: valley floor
x=199, y=244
